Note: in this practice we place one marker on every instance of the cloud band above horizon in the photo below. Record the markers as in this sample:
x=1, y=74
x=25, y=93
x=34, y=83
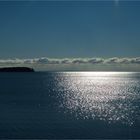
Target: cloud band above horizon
x=95, y=60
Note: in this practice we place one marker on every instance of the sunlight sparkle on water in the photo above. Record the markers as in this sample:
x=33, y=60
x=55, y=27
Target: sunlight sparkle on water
x=98, y=95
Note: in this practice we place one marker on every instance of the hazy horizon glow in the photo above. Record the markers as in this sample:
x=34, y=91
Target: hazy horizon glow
x=76, y=64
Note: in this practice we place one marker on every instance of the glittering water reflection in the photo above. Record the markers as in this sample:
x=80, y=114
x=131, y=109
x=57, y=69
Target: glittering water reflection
x=109, y=96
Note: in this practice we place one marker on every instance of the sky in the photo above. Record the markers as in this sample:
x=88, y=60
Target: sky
x=69, y=29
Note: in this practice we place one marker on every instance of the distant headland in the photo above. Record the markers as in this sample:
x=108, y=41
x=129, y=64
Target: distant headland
x=16, y=69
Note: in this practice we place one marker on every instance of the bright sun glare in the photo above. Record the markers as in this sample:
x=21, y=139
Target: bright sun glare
x=97, y=74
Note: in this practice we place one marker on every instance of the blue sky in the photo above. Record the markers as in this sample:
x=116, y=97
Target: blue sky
x=69, y=29
x=70, y=35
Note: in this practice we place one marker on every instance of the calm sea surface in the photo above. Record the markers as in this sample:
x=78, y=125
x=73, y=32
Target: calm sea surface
x=70, y=105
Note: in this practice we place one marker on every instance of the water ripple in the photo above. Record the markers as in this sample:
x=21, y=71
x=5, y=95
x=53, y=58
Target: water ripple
x=108, y=96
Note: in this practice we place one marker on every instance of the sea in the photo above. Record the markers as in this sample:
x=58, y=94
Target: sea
x=70, y=105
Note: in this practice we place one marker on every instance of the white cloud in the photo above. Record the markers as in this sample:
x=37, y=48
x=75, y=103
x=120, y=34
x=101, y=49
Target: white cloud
x=45, y=60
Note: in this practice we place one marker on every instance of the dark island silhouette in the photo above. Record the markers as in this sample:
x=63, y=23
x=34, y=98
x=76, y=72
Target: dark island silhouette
x=16, y=69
